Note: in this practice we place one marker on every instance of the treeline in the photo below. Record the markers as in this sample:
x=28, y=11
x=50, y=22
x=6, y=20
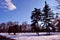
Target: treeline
x=25, y=27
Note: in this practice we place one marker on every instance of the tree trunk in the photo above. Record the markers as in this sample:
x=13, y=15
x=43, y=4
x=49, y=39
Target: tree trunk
x=37, y=29
x=14, y=33
x=38, y=33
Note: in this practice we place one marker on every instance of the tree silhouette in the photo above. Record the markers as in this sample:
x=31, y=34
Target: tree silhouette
x=13, y=29
x=48, y=15
x=35, y=17
x=16, y=29
x=20, y=28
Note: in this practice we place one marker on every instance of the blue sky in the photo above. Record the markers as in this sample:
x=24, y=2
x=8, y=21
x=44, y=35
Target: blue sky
x=20, y=10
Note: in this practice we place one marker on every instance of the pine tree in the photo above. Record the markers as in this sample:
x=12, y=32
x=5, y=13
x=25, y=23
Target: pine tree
x=48, y=15
x=35, y=17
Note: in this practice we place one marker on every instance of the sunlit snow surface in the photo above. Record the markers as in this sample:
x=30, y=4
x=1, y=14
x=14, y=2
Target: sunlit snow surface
x=33, y=36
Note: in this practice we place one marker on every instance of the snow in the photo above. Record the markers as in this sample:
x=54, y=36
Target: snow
x=33, y=36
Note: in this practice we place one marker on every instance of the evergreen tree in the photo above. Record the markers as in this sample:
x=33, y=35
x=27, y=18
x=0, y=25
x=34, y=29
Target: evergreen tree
x=48, y=15
x=35, y=17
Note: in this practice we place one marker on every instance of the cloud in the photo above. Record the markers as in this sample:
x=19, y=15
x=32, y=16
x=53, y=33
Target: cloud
x=9, y=5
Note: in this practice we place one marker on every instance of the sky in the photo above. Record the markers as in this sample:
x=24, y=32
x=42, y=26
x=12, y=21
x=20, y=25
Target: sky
x=20, y=10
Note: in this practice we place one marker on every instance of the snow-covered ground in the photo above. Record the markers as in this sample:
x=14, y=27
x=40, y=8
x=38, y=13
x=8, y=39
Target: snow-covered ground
x=33, y=36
